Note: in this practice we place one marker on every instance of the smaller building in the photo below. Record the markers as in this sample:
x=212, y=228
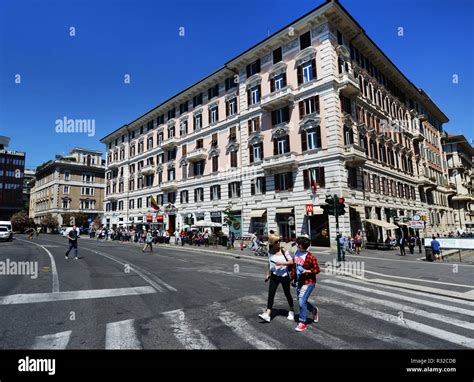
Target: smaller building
x=12, y=168
x=459, y=157
x=69, y=184
x=28, y=182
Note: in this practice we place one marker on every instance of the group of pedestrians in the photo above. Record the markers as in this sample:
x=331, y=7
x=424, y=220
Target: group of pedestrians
x=298, y=270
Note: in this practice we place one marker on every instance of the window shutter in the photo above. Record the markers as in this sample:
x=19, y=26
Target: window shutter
x=277, y=183
x=272, y=85
x=252, y=188
x=313, y=68
x=248, y=98
x=322, y=179
x=300, y=75
x=219, y=192
x=230, y=190
x=227, y=109
x=289, y=178
x=286, y=114
x=275, y=147
x=264, y=184
x=273, y=118
x=249, y=124
x=258, y=66
x=258, y=123
x=301, y=107
x=238, y=189
x=316, y=101
x=261, y=151
x=306, y=179
x=251, y=154
x=287, y=144
x=248, y=71
x=259, y=91
x=304, y=141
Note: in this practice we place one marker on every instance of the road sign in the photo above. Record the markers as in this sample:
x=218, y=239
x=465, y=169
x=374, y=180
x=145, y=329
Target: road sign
x=417, y=224
x=309, y=209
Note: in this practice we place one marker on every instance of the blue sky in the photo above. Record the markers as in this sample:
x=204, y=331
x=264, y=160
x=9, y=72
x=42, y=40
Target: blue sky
x=83, y=76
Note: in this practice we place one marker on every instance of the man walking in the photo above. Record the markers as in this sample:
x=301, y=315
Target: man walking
x=402, y=243
x=72, y=236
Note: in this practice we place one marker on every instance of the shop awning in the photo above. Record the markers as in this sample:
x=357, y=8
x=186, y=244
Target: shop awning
x=359, y=209
x=257, y=213
x=381, y=223
x=285, y=210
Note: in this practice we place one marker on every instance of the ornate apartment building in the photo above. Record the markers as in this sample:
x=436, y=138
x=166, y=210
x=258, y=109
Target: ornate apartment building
x=315, y=109
x=69, y=184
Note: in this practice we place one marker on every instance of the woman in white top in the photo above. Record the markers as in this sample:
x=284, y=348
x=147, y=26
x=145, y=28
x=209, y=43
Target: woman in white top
x=277, y=275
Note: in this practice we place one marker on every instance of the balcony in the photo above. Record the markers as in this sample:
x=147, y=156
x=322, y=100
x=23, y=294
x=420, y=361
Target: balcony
x=196, y=155
x=280, y=162
x=462, y=198
x=278, y=98
x=113, y=165
x=348, y=84
x=149, y=169
x=170, y=143
x=427, y=182
x=170, y=185
x=354, y=154
x=417, y=135
x=422, y=117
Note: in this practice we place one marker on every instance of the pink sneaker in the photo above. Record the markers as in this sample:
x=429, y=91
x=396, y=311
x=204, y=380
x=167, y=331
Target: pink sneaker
x=301, y=327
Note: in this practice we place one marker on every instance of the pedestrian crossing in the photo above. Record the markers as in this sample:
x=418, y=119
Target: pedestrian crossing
x=354, y=314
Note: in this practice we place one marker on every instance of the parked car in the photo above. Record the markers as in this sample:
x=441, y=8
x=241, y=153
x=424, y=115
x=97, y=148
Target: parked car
x=5, y=234
x=8, y=225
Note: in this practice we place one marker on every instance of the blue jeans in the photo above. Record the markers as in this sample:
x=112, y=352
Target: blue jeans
x=303, y=292
x=71, y=246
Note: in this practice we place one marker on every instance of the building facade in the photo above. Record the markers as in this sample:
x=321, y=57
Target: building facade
x=12, y=169
x=459, y=155
x=69, y=184
x=315, y=109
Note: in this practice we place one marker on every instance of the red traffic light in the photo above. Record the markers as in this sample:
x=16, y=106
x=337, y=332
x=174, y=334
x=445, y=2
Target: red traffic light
x=340, y=200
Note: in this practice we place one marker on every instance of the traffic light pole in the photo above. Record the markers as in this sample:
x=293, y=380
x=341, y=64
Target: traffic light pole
x=336, y=214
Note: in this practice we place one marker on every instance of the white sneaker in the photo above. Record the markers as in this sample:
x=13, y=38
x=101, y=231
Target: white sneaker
x=291, y=316
x=265, y=317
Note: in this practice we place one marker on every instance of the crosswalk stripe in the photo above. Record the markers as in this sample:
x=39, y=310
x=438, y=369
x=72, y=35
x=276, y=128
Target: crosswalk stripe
x=405, y=298
x=245, y=331
x=404, y=290
x=52, y=341
x=406, y=309
x=189, y=337
x=121, y=335
x=409, y=324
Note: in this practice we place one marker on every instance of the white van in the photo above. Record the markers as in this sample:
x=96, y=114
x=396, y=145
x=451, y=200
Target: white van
x=8, y=225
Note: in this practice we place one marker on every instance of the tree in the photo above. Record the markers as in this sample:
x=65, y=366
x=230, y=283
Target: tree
x=21, y=221
x=50, y=221
x=97, y=222
x=229, y=217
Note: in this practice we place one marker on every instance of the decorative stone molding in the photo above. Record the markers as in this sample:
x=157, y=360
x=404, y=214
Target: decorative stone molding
x=343, y=52
x=170, y=165
x=318, y=30
x=305, y=55
x=183, y=162
x=255, y=138
x=213, y=152
x=230, y=96
x=256, y=79
x=171, y=123
x=159, y=167
x=213, y=104
x=277, y=69
x=280, y=131
x=310, y=122
x=197, y=111
x=232, y=146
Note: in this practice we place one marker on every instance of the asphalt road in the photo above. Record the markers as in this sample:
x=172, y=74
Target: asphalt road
x=115, y=296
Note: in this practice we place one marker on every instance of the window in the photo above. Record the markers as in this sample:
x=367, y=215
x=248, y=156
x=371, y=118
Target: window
x=199, y=195
x=148, y=201
x=159, y=200
x=281, y=145
x=172, y=154
x=140, y=147
x=277, y=55
x=171, y=132
x=171, y=197
x=311, y=139
x=230, y=83
x=305, y=40
x=233, y=159
x=171, y=113
x=284, y=182
x=197, y=122
x=160, y=120
x=149, y=143
x=215, y=163
x=184, y=150
x=132, y=184
x=131, y=204
x=215, y=192
x=139, y=203
x=184, y=172
x=65, y=204
x=258, y=186
x=254, y=125
x=278, y=82
x=213, y=92
x=171, y=174
x=312, y=175
x=199, y=143
x=309, y=106
x=198, y=168
x=213, y=114
x=232, y=133
x=256, y=153
x=231, y=107
x=306, y=72
x=197, y=100
x=253, y=95
x=183, y=108
x=352, y=177
x=280, y=116
x=183, y=128
x=66, y=190
x=67, y=175
x=346, y=104
x=184, y=197
x=234, y=190
x=253, y=68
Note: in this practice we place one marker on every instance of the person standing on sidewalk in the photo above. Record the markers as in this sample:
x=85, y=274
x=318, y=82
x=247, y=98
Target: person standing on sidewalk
x=411, y=244
x=436, y=247
x=402, y=243
x=148, y=241
x=72, y=236
x=358, y=242
x=278, y=274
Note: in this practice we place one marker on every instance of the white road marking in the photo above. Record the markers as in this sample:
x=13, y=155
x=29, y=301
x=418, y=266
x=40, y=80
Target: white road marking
x=405, y=308
x=54, y=270
x=405, y=290
x=55, y=341
x=409, y=324
x=244, y=331
x=121, y=335
x=405, y=298
x=31, y=298
x=189, y=337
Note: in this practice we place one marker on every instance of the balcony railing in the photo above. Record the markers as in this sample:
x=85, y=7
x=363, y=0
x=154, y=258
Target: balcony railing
x=278, y=98
x=169, y=185
x=196, y=155
x=354, y=154
x=149, y=169
x=280, y=162
x=349, y=86
x=170, y=143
